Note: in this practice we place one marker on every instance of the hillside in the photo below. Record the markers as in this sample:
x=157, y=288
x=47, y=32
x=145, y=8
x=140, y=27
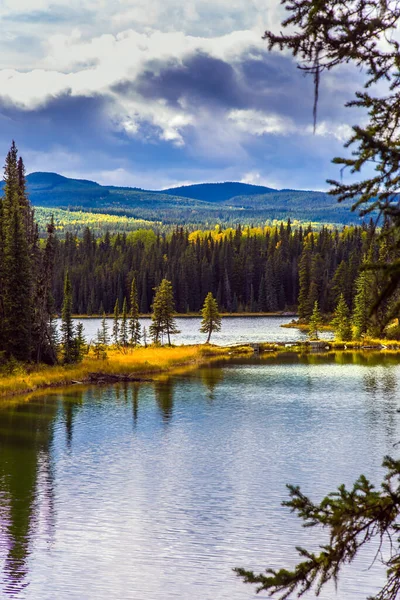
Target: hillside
x=218, y=192
x=203, y=204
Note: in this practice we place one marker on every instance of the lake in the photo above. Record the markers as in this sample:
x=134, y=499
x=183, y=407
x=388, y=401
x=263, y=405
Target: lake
x=156, y=491
x=235, y=330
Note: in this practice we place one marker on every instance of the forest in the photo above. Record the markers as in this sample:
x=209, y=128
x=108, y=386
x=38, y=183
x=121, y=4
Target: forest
x=280, y=268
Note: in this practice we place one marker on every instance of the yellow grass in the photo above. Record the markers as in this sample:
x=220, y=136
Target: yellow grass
x=136, y=363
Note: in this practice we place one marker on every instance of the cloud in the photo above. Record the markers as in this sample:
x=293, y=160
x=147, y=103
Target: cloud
x=182, y=91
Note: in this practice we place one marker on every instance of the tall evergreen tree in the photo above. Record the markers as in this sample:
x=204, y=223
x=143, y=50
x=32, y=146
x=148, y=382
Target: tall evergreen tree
x=315, y=323
x=16, y=269
x=362, y=305
x=123, y=332
x=211, y=318
x=163, y=321
x=134, y=325
x=341, y=321
x=67, y=326
x=116, y=323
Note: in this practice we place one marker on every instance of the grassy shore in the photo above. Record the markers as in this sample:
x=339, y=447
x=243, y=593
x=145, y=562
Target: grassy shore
x=139, y=364
x=148, y=364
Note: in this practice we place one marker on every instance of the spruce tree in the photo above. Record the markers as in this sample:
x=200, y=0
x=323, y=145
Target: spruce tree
x=304, y=280
x=123, y=333
x=315, y=323
x=362, y=305
x=163, y=321
x=134, y=325
x=103, y=333
x=116, y=323
x=341, y=321
x=16, y=266
x=67, y=326
x=211, y=318
x=80, y=343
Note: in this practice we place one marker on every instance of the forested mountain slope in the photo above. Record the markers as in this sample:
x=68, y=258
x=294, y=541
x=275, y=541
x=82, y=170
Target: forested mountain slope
x=203, y=204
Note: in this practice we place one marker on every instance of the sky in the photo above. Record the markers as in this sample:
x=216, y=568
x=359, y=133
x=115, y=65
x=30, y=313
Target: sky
x=158, y=93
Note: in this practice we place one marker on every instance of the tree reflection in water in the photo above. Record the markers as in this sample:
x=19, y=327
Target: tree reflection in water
x=25, y=448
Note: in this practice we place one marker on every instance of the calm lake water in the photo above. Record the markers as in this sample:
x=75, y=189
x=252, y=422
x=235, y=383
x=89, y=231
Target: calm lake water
x=235, y=330
x=154, y=492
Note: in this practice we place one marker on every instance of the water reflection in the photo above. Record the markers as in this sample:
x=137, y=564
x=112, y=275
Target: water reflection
x=25, y=446
x=83, y=493
x=135, y=402
x=380, y=386
x=164, y=392
x=211, y=378
x=72, y=401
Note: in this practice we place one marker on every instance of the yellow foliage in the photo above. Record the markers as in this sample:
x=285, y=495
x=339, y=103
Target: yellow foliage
x=134, y=362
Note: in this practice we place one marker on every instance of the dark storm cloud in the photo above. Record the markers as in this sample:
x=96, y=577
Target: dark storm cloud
x=207, y=89
x=76, y=120
x=258, y=80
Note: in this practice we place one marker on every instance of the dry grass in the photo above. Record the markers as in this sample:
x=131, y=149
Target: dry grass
x=140, y=362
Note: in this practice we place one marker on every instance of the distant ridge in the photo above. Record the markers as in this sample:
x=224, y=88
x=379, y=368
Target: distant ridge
x=203, y=204
x=218, y=192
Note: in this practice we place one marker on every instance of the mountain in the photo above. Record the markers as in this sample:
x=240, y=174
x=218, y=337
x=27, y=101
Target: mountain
x=202, y=204
x=218, y=192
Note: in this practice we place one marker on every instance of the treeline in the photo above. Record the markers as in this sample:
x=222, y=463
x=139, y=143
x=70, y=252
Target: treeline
x=246, y=269
x=27, y=330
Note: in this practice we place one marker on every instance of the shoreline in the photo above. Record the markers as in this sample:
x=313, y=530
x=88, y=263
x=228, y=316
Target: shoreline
x=142, y=365
x=241, y=315
x=136, y=365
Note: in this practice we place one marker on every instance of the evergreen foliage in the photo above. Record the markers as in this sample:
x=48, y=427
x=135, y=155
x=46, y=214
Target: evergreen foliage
x=163, y=322
x=315, y=322
x=68, y=340
x=134, y=325
x=123, y=333
x=362, y=305
x=211, y=318
x=353, y=517
x=26, y=270
x=116, y=323
x=341, y=321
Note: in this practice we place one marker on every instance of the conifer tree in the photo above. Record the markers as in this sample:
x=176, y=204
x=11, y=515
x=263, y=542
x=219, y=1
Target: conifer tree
x=211, y=318
x=16, y=275
x=123, y=334
x=341, y=321
x=362, y=305
x=116, y=323
x=103, y=334
x=67, y=327
x=134, y=325
x=315, y=323
x=163, y=321
x=304, y=280
x=80, y=343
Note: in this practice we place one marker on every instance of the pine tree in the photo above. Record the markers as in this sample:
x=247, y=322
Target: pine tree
x=341, y=321
x=104, y=336
x=80, y=343
x=163, y=321
x=304, y=280
x=116, y=323
x=134, y=325
x=362, y=305
x=67, y=326
x=211, y=318
x=123, y=333
x=16, y=267
x=315, y=323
